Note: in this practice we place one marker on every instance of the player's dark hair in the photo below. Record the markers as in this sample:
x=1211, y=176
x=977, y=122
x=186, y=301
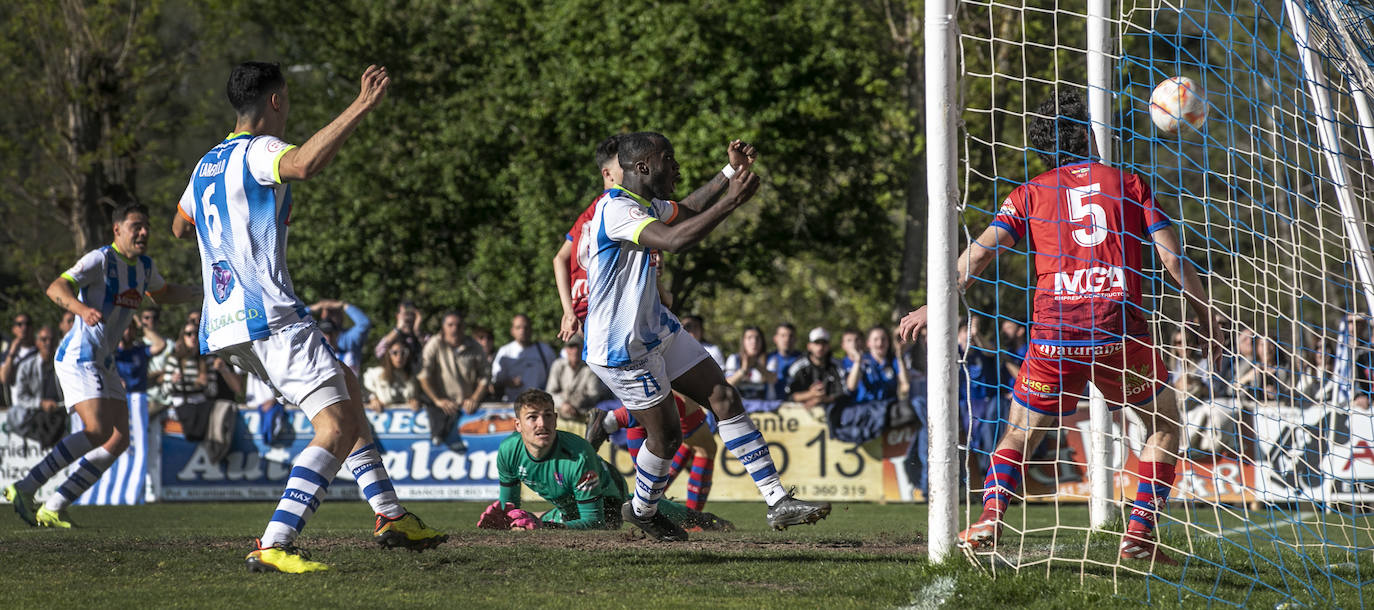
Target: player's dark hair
x=636, y=147
x=691, y=316
x=249, y=85
x=1059, y=131
x=535, y=398
x=125, y=209
x=607, y=150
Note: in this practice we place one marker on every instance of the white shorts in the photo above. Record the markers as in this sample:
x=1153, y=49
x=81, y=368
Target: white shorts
x=645, y=383
x=82, y=381
x=297, y=363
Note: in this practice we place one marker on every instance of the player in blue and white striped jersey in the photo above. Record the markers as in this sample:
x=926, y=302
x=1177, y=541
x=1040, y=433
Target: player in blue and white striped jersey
x=637, y=346
x=103, y=290
x=238, y=206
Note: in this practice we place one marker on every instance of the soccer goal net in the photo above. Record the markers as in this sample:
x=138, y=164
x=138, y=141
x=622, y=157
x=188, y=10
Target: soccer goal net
x=1273, y=496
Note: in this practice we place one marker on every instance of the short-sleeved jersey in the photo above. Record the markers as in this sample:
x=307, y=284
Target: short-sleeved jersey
x=625, y=319
x=572, y=472
x=1086, y=223
x=114, y=285
x=577, y=267
x=241, y=209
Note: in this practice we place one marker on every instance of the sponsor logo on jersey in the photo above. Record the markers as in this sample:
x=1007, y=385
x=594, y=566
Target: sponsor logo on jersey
x=639, y=212
x=238, y=316
x=1007, y=209
x=129, y=299
x=1039, y=386
x=1090, y=280
x=276, y=146
x=580, y=289
x=221, y=281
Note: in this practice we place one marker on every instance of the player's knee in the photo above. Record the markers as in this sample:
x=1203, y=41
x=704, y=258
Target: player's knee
x=726, y=401
x=97, y=434
x=117, y=443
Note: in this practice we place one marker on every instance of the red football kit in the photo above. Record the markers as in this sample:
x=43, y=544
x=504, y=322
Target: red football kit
x=1086, y=223
x=577, y=272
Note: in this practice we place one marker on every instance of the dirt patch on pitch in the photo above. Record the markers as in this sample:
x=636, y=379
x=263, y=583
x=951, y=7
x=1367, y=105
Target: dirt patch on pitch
x=911, y=546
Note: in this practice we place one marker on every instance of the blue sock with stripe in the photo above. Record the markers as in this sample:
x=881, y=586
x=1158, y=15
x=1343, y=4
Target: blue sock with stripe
x=88, y=471
x=368, y=471
x=65, y=452
x=305, y=488
x=746, y=443
x=651, y=478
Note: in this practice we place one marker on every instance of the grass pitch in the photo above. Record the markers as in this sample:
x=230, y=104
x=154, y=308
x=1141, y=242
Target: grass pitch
x=864, y=555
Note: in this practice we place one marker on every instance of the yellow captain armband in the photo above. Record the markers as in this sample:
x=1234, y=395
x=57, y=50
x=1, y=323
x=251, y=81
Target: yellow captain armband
x=640, y=229
x=276, y=163
x=69, y=278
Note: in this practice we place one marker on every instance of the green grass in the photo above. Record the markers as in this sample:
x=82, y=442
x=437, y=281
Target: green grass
x=864, y=555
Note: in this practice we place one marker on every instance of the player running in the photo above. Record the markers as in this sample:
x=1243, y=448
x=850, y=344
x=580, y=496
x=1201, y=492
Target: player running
x=570, y=275
x=238, y=206
x=1086, y=222
x=103, y=290
x=637, y=346
x=586, y=492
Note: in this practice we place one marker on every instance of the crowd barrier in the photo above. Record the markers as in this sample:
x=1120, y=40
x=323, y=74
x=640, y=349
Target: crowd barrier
x=1238, y=452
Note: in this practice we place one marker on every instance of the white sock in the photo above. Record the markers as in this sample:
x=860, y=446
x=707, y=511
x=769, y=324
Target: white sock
x=311, y=473
x=366, y=466
x=746, y=443
x=88, y=471
x=67, y=450
x=651, y=478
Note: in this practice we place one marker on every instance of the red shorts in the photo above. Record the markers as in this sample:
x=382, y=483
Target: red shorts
x=1055, y=377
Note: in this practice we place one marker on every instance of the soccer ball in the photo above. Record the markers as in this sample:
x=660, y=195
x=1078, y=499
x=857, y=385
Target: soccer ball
x=1175, y=101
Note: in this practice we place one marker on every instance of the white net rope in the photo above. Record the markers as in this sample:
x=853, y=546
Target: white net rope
x=1276, y=463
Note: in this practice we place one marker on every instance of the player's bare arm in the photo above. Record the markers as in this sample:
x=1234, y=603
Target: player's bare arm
x=1171, y=254
x=63, y=293
x=175, y=293
x=686, y=234
x=563, y=278
x=182, y=228
x=972, y=261
x=742, y=157
x=317, y=152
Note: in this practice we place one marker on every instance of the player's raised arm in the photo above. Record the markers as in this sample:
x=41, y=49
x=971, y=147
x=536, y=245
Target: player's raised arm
x=562, y=277
x=742, y=156
x=317, y=152
x=1181, y=268
x=972, y=261
x=683, y=235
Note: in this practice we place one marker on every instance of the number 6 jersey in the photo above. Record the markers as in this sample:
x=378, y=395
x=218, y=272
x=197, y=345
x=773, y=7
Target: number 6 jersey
x=241, y=208
x=1086, y=223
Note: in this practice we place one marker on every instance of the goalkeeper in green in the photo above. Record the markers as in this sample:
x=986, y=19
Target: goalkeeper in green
x=586, y=491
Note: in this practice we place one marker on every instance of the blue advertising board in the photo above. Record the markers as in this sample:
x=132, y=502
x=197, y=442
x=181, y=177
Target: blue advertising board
x=420, y=470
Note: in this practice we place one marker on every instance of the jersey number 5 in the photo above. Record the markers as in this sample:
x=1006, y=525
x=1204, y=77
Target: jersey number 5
x=1080, y=211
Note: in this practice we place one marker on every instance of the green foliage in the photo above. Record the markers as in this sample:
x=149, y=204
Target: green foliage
x=458, y=190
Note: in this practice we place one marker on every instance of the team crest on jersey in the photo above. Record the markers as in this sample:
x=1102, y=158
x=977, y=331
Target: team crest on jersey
x=129, y=299
x=276, y=146
x=558, y=478
x=639, y=213
x=589, y=481
x=221, y=281
x=1008, y=209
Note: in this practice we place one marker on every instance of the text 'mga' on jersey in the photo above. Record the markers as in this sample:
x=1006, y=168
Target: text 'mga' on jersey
x=1086, y=223
x=105, y=280
x=624, y=316
x=241, y=208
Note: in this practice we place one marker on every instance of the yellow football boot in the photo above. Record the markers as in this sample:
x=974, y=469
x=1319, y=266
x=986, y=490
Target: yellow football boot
x=407, y=532
x=54, y=518
x=285, y=558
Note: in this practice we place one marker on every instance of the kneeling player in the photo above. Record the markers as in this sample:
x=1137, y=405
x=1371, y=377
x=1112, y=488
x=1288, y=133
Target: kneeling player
x=586, y=492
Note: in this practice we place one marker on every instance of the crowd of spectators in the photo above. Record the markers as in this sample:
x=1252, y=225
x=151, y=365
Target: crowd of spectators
x=865, y=385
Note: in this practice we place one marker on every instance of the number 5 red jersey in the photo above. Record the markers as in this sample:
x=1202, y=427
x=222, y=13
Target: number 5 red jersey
x=1086, y=223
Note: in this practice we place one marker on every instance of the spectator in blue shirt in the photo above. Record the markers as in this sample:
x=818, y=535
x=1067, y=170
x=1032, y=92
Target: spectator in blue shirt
x=879, y=374
x=349, y=342
x=138, y=345
x=781, y=360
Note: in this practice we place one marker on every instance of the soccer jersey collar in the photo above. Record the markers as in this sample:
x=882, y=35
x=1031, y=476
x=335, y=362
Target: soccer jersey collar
x=632, y=195
x=115, y=247
x=235, y=136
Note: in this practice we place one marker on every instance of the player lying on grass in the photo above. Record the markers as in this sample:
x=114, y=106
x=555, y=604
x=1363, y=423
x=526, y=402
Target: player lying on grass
x=586, y=492
x=698, y=445
x=111, y=281
x=1086, y=222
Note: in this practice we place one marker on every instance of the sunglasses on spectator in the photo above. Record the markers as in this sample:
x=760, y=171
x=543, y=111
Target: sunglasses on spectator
x=21, y=322
x=188, y=332
x=398, y=352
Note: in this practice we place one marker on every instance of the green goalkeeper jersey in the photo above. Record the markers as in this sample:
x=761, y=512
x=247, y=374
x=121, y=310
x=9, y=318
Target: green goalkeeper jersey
x=572, y=477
